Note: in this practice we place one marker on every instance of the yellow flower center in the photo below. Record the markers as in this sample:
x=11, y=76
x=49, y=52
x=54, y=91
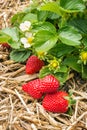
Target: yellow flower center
x=84, y=56
x=41, y=53
x=54, y=63
x=30, y=39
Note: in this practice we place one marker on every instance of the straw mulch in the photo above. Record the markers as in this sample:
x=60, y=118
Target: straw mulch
x=19, y=111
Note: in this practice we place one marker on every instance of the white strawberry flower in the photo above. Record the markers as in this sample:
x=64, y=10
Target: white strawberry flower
x=24, y=41
x=27, y=40
x=28, y=34
x=25, y=26
x=30, y=2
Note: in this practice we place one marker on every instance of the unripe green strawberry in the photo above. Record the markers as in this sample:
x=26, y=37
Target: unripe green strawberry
x=56, y=102
x=33, y=65
x=32, y=88
x=49, y=84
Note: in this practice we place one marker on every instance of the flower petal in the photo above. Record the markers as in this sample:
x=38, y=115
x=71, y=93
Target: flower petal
x=23, y=40
x=25, y=26
x=27, y=45
x=28, y=34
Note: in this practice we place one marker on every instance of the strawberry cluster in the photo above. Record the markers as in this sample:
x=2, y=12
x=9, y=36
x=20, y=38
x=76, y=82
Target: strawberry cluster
x=47, y=87
x=36, y=88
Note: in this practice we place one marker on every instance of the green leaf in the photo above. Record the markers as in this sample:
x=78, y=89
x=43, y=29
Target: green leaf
x=47, y=26
x=72, y=5
x=42, y=36
x=61, y=49
x=44, y=71
x=71, y=62
x=84, y=71
x=30, y=17
x=12, y=32
x=70, y=36
x=53, y=7
x=53, y=16
x=17, y=18
x=62, y=77
x=13, y=44
x=63, y=69
x=42, y=15
x=80, y=24
x=44, y=41
x=72, y=102
x=4, y=37
x=84, y=41
x=20, y=55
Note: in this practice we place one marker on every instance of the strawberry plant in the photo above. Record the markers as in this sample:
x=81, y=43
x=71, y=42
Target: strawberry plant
x=54, y=31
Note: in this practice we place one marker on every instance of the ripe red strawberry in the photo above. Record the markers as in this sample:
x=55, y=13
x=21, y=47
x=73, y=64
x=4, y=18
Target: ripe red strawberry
x=32, y=88
x=33, y=65
x=56, y=102
x=5, y=45
x=49, y=84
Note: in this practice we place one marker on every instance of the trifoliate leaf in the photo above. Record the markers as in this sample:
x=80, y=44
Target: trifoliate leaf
x=20, y=55
x=70, y=36
x=72, y=5
x=12, y=32
x=44, y=41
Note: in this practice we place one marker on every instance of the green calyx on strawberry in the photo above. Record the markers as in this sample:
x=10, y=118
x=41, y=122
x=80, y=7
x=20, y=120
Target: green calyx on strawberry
x=71, y=102
x=57, y=102
x=33, y=65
